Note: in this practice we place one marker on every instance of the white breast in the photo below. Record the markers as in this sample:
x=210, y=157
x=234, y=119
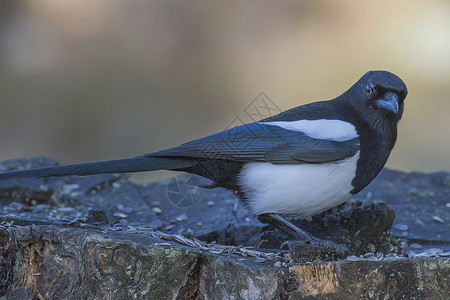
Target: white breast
x=298, y=190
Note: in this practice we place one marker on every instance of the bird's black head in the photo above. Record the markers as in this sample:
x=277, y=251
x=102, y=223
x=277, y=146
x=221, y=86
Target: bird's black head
x=378, y=96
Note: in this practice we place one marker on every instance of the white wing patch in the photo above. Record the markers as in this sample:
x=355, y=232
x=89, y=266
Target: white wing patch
x=335, y=130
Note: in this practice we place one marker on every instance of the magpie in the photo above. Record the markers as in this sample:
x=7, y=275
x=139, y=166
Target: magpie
x=292, y=165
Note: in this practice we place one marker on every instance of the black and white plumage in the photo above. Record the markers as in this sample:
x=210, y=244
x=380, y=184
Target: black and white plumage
x=295, y=164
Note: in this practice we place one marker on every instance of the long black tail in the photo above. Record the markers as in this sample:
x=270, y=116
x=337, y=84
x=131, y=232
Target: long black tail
x=134, y=164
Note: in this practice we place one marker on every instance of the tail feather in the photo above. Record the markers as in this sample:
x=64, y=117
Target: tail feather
x=134, y=164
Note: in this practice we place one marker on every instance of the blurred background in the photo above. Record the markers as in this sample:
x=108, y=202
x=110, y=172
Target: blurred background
x=91, y=80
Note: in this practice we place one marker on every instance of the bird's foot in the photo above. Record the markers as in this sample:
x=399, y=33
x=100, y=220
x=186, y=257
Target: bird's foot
x=304, y=252
x=305, y=243
x=328, y=244
x=325, y=245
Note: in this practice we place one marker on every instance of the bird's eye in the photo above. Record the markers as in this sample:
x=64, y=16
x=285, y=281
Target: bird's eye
x=370, y=89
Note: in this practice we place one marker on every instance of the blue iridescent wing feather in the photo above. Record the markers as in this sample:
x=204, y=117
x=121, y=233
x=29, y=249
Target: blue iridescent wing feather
x=259, y=142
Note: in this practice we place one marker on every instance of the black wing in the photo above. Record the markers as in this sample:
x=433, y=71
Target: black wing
x=265, y=143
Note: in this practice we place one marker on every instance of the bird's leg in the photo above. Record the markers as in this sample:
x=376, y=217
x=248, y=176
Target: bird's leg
x=235, y=210
x=295, y=232
x=287, y=227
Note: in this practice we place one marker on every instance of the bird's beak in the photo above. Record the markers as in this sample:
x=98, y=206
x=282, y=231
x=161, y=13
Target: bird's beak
x=389, y=102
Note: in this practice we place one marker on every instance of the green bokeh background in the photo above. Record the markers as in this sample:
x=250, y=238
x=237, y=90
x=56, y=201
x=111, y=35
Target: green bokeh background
x=90, y=80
